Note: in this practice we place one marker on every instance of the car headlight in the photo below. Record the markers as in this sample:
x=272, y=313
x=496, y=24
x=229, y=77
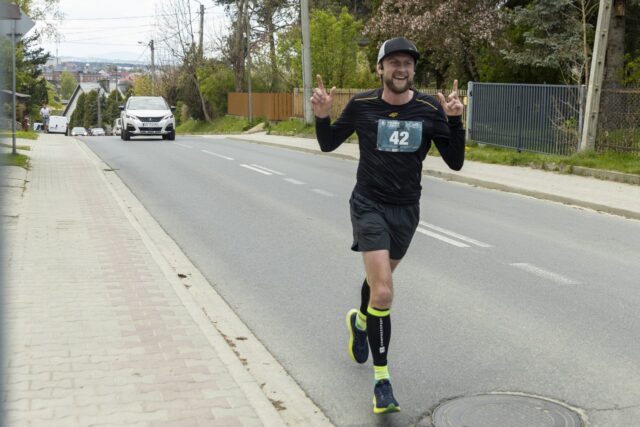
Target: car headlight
x=130, y=116
x=168, y=117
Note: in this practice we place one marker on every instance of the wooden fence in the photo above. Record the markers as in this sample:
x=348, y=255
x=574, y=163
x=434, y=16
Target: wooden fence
x=282, y=106
x=270, y=106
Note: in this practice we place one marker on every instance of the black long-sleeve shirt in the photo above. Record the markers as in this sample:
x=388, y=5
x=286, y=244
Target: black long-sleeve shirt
x=390, y=167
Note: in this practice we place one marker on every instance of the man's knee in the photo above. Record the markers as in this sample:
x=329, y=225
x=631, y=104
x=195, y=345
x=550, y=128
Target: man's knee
x=381, y=293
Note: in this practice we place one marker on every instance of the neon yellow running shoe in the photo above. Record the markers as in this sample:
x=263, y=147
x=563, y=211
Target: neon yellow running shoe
x=358, y=343
x=383, y=400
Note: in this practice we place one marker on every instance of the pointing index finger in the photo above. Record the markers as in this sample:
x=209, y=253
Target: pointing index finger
x=320, y=84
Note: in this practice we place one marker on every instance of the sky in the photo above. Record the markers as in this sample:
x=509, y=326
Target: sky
x=111, y=29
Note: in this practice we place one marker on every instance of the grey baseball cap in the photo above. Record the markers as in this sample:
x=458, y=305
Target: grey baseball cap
x=398, y=45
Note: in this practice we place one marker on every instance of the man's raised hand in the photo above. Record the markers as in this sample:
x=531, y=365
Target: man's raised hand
x=321, y=101
x=452, y=105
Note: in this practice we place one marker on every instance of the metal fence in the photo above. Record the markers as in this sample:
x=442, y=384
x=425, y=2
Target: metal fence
x=619, y=121
x=526, y=117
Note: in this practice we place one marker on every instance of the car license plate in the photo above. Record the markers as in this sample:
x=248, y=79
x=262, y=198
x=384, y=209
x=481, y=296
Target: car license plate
x=148, y=125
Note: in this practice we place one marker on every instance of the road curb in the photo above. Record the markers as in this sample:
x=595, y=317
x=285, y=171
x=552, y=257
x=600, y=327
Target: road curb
x=606, y=175
x=532, y=193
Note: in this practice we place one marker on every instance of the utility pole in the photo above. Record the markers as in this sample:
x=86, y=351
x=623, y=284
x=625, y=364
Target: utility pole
x=117, y=84
x=153, y=68
x=306, y=61
x=99, y=111
x=250, y=100
x=200, y=49
x=594, y=90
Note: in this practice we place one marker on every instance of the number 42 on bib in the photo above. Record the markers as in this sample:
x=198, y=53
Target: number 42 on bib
x=400, y=136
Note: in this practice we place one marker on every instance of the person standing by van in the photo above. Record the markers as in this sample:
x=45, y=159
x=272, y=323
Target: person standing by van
x=44, y=113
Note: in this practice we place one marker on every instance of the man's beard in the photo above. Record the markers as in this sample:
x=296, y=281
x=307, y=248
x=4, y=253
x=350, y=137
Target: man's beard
x=391, y=84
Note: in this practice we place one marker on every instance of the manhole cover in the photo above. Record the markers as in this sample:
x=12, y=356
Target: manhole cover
x=508, y=410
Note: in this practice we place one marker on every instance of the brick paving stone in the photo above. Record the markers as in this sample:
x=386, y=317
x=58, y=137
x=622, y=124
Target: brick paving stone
x=96, y=334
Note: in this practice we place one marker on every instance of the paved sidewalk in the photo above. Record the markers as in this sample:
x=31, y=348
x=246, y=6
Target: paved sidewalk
x=605, y=196
x=99, y=329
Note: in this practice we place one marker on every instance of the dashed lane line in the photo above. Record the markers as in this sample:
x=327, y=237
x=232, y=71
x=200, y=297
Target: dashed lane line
x=294, y=181
x=455, y=235
x=267, y=169
x=323, y=192
x=256, y=169
x=182, y=145
x=441, y=237
x=217, y=155
x=545, y=274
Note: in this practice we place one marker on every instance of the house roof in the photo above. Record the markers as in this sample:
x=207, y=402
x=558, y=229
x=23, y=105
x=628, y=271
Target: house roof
x=83, y=87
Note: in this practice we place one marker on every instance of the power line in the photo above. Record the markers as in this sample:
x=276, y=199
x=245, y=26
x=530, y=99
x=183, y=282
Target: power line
x=119, y=18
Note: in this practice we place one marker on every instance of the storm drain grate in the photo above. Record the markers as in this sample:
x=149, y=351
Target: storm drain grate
x=512, y=410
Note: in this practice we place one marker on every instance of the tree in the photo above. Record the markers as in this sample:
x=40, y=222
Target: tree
x=29, y=62
x=217, y=80
x=42, y=11
x=267, y=18
x=555, y=34
x=77, y=116
x=68, y=84
x=614, y=64
x=448, y=34
x=335, y=53
x=180, y=42
x=142, y=85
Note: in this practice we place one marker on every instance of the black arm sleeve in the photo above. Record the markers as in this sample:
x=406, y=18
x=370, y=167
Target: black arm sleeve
x=449, y=138
x=330, y=136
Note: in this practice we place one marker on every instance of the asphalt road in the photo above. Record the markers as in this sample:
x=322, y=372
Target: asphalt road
x=499, y=292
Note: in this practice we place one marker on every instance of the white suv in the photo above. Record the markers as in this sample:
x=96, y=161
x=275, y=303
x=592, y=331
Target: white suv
x=147, y=115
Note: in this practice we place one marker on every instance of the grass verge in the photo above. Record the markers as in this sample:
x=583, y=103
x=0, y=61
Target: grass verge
x=224, y=124
x=9, y=159
x=293, y=127
x=619, y=162
x=18, y=147
x=23, y=134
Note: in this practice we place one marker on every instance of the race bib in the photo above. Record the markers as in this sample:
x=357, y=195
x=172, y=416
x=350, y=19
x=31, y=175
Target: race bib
x=399, y=135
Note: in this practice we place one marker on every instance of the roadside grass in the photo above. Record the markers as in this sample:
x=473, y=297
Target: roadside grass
x=21, y=160
x=18, y=147
x=24, y=134
x=293, y=127
x=297, y=127
x=619, y=162
x=224, y=124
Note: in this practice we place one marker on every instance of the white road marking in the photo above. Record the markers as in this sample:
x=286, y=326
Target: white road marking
x=182, y=145
x=266, y=169
x=217, y=155
x=441, y=237
x=545, y=274
x=294, y=181
x=256, y=169
x=456, y=235
x=322, y=192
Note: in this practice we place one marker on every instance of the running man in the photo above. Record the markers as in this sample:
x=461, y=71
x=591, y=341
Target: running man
x=395, y=126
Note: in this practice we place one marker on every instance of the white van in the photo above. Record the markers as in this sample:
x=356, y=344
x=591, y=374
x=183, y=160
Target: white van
x=58, y=124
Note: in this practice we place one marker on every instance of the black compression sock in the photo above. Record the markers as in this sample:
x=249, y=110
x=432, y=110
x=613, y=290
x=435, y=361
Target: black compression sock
x=365, y=294
x=379, y=334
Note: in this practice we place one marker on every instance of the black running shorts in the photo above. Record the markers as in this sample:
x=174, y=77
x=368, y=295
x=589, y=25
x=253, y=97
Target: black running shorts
x=379, y=226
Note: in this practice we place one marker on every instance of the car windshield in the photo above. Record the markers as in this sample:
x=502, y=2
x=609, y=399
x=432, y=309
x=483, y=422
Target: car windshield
x=147, y=104
x=78, y=129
